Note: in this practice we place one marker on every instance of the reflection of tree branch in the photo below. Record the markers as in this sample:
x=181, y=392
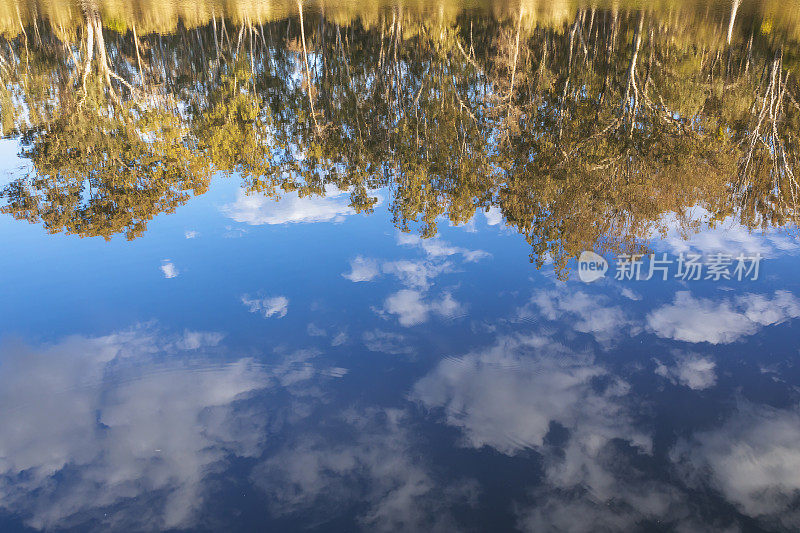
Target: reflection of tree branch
x=469, y=59
x=625, y=106
x=89, y=53
x=461, y=102
x=516, y=53
x=308, y=70
x=779, y=172
x=138, y=56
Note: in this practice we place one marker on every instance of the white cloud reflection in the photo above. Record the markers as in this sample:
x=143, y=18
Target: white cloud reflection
x=123, y=431
x=514, y=395
x=412, y=309
x=721, y=321
x=386, y=342
x=256, y=209
x=436, y=247
x=119, y=424
x=494, y=216
x=585, y=313
x=363, y=269
x=753, y=459
x=414, y=305
x=507, y=395
x=371, y=462
x=169, y=269
x=695, y=371
x=277, y=306
x=727, y=235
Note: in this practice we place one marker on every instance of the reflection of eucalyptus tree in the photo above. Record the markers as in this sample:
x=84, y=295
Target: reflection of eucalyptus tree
x=626, y=119
x=406, y=109
x=766, y=179
x=102, y=165
x=586, y=130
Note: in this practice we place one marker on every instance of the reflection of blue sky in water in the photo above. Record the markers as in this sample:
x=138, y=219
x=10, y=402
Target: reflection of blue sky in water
x=727, y=235
x=322, y=369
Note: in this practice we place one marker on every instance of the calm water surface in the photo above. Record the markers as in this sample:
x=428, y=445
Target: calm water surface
x=313, y=266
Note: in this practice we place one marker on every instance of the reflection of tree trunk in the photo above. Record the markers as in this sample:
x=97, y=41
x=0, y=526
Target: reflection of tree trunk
x=89, y=53
x=138, y=56
x=105, y=69
x=767, y=131
x=542, y=65
x=609, y=63
x=562, y=104
x=731, y=22
x=96, y=46
x=25, y=35
x=649, y=63
x=630, y=86
x=734, y=9
x=513, y=68
x=749, y=53
x=216, y=40
x=305, y=61
x=516, y=53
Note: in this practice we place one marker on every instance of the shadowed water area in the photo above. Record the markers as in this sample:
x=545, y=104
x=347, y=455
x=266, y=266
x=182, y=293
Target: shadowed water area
x=418, y=266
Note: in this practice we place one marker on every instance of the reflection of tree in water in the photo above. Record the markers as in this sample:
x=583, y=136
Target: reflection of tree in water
x=585, y=130
x=104, y=163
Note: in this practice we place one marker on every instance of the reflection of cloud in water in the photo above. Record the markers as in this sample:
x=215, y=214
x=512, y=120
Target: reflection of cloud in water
x=255, y=209
x=690, y=370
x=169, y=269
x=413, y=309
x=114, y=423
x=277, y=306
x=416, y=274
x=494, y=216
x=362, y=269
x=413, y=305
x=587, y=313
x=507, y=395
x=754, y=460
x=514, y=395
x=436, y=247
x=721, y=321
x=727, y=236
x=616, y=504
x=386, y=342
x=370, y=465
x=339, y=339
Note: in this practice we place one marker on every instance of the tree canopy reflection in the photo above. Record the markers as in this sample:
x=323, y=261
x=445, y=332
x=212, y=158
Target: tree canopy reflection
x=584, y=125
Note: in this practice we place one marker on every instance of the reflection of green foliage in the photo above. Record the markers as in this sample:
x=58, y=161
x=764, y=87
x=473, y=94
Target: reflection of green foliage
x=103, y=169
x=115, y=24
x=233, y=130
x=453, y=115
